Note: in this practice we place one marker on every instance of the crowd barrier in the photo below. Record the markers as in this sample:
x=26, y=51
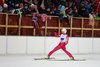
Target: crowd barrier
x=11, y=25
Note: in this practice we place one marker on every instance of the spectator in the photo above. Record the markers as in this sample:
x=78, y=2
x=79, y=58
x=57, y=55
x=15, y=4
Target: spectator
x=87, y=8
x=35, y=2
x=98, y=7
x=70, y=12
x=53, y=10
x=48, y=6
x=1, y=8
x=43, y=17
x=42, y=5
x=5, y=8
x=75, y=12
x=82, y=10
x=26, y=10
x=91, y=18
x=61, y=11
x=54, y=7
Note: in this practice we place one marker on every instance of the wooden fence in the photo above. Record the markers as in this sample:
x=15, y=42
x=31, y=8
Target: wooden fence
x=11, y=25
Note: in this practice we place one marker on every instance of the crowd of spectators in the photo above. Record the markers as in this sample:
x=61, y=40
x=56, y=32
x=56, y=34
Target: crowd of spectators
x=76, y=8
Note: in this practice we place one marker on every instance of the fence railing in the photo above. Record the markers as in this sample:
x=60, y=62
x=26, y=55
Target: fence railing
x=10, y=24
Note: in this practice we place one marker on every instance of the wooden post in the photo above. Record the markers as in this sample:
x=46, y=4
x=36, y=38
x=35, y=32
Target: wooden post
x=59, y=27
x=93, y=28
x=34, y=32
x=6, y=24
x=82, y=27
x=19, y=25
x=46, y=26
x=71, y=26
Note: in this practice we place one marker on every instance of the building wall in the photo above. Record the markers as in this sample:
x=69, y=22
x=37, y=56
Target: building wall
x=42, y=45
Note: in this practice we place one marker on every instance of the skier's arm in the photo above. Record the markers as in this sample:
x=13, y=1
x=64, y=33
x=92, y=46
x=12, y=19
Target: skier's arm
x=56, y=35
x=67, y=39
